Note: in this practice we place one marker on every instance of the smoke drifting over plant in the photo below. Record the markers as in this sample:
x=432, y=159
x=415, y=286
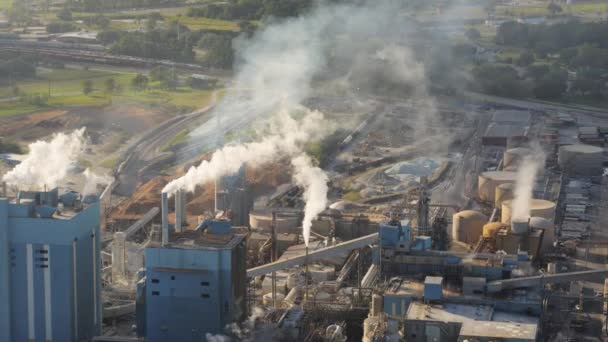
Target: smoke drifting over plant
x=527, y=172
x=48, y=163
x=276, y=71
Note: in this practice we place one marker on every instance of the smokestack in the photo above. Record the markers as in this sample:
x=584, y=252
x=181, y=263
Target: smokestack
x=4, y=189
x=165, y=222
x=180, y=210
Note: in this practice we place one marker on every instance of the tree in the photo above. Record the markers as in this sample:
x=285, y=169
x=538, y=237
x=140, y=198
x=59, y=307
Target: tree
x=65, y=14
x=525, y=58
x=139, y=82
x=473, y=34
x=109, y=85
x=19, y=13
x=87, y=87
x=554, y=8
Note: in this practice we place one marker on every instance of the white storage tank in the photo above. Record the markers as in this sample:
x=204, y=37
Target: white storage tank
x=549, y=231
x=467, y=226
x=512, y=157
x=582, y=160
x=267, y=299
x=488, y=181
x=538, y=207
x=504, y=192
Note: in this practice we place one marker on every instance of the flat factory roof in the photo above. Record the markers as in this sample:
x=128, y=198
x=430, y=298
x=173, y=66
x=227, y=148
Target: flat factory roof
x=499, y=130
x=449, y=312
x=506, y=330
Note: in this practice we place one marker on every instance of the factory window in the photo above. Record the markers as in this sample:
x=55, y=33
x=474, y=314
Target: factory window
x=155, y=293
x=172, y=277
x=204, y=283
x=43, y=259
x=43, y=251
x=155, y=281
x=43, y=266
x=204, y=295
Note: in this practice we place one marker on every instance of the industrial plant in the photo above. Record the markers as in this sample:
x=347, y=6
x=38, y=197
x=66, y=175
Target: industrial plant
x=341, y=183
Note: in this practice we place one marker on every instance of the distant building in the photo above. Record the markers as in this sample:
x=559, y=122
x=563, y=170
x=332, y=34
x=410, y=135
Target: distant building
x=78, y=38
x=195, y=284
x=49, y=269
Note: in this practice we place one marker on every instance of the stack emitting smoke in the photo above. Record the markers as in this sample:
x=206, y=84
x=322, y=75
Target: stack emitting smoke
x=287, y=141
x=49, y=162
x=526, y=178
x=275, y=70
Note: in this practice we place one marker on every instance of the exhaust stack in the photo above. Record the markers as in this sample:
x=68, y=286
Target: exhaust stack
x=165, y=220
x=180, y=210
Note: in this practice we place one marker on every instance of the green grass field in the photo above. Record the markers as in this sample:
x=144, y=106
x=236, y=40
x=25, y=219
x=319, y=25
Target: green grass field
x=66, y=92
x=4, y=4
x=206, y=23
x=590, y=7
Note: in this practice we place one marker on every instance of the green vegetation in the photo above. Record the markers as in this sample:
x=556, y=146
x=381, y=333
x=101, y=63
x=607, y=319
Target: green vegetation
x=9, y=147
x=109, y=163
x=353, y=196
x=206, y=23
x=66, y=90
x=251, y=9
x=178, y=139
x=4, y=4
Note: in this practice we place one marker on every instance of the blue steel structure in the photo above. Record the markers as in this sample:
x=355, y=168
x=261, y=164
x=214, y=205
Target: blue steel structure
x=195, y=284
x=49, y=270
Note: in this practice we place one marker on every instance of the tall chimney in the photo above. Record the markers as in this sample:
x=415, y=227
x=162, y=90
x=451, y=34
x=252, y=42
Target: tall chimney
x=179, y=202
x=165, y=222
x=4, y=189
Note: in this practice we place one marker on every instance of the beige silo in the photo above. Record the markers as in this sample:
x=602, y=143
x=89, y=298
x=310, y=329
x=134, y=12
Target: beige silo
x=467, y=226
x=512, y=157
x=504, y=192
x=488, y=181
x=582, y=160
x=538, y=207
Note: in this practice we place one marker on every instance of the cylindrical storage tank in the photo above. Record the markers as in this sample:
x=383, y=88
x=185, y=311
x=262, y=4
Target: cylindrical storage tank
x=519, y=227
x=549, y=231
x=512, y=157
x=467, y=226
x=504, y=192
x=267, y=299
x=490, y=229
x=263, y=220
x=488, y=181
x=582, y=160
x=538, y=207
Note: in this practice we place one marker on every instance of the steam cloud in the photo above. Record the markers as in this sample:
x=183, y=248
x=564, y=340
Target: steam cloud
x=275, y=72
x=48, y=162
x=524, y=186
x=93, y=180
x=314, y=181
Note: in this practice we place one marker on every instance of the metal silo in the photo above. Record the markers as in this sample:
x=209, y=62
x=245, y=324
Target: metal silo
x=583, y=160
x=467, y=226
x=488, y=181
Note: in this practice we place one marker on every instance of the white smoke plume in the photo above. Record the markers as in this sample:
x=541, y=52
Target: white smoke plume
x=48, y=162
x=287, y=141
x=527, y=172
x=314, y=182
x=93, y=180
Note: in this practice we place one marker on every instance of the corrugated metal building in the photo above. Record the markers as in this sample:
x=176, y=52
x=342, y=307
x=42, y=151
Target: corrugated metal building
x=196, y=284
x=49, y=269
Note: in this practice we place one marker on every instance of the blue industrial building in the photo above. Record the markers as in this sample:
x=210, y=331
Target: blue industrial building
x=194, y=284
x=49, y=269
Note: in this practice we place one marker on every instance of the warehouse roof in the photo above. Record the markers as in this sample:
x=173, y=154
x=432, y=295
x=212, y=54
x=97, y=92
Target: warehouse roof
x=500, y=130
x=502, y=330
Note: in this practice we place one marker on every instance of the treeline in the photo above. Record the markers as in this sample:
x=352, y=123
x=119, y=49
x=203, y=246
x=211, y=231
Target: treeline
x=100, y=5
x=16, y=68
x=251, y=9
x=174, y=43
x=549, y=39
